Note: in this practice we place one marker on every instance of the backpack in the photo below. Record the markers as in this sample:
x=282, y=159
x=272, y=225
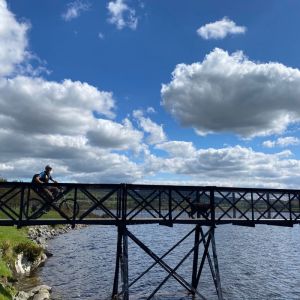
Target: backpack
x=34, y=178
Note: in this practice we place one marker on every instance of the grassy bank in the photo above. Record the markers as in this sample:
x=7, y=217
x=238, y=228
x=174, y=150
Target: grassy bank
x=12, y=242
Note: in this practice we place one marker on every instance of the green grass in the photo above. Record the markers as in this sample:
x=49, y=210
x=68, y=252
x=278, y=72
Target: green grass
x=13, y=235
x=5, y=293
x=12, y=242
x=4, y=269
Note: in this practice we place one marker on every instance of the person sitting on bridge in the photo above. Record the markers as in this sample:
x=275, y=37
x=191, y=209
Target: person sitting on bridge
x=44, y=178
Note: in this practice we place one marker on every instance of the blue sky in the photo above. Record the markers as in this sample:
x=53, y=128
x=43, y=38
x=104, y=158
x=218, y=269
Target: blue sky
x=184, y=92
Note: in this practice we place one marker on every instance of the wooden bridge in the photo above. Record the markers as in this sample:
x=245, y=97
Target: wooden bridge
x=23, y=204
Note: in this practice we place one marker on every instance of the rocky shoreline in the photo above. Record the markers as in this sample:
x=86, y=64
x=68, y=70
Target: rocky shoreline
x=24, y=266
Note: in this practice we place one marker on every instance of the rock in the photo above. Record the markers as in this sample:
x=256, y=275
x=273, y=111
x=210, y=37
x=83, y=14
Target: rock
x=41, y=292
x=23, y=266
x=21, y=296
x=48, y=253
x=20, y=267
x=42, y=295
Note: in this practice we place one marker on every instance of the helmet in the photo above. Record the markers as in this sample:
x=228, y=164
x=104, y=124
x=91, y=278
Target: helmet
x=48, y=167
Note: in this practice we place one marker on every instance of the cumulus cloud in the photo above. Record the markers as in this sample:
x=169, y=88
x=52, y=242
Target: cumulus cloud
x=121, y=15
x=112, y=135
x=220, y=29
x=230, y=166
x=13, y=40
x=75, y=9
x=34, y=105
x=44, y=121
x=230, y=93
x=155, y=131
x=282, y=142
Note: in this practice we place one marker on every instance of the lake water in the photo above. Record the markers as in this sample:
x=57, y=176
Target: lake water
x=255, y=263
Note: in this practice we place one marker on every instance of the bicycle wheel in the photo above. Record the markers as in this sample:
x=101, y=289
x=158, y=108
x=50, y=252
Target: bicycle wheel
x=33, y=209
x=67, y=207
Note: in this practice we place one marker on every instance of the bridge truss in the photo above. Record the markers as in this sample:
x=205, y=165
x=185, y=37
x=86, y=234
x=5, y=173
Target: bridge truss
x=23, y=204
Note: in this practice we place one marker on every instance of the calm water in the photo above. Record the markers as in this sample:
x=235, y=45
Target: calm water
x=255, y=263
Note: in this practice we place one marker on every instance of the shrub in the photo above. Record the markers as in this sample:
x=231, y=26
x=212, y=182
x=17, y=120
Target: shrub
x=30, y=250
x=6, y=248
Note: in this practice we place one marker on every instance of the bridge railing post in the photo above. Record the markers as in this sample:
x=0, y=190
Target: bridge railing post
x=252, y=207
x=234, y=209
x=212, y=204
x=20, y=221
x=124, y=202
x=290, y=207
x=170, y=204
x=269, y=206
x=74, y=208
x=159, y=203
x=119, y=202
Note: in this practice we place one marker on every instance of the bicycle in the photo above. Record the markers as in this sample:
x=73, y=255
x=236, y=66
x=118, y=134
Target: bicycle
x=34, y=208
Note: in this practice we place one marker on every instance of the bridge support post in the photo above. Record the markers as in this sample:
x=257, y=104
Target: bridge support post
x=196, y=257
x=208, y=239
x=217, y=273
x=121, y=265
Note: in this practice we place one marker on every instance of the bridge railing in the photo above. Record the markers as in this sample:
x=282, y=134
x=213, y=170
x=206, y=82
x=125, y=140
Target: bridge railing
x=257, y=205
x=25, y=204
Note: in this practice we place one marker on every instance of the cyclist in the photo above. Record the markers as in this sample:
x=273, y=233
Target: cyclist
x=44, y=178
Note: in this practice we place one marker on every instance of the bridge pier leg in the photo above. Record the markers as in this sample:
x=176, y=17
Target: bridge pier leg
x=217, y=272
x=213, y=263
x=121, y=263
x=200, y=237
x=196, y=257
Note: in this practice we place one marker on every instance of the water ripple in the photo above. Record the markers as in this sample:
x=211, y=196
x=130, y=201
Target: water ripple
x=255, y=263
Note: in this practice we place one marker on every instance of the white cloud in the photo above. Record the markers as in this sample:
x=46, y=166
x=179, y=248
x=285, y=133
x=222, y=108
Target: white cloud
x=121, y=15
x=150, y=110
x=231, y=166
x=112, y=135
x=13, y=40
x=282, y=142
x=230, y=93
x=220, y=29
x=74, y=9
x=178, y=148
x=64, y=107
x=269, y=144
x=52, y=122
x=155, y=131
